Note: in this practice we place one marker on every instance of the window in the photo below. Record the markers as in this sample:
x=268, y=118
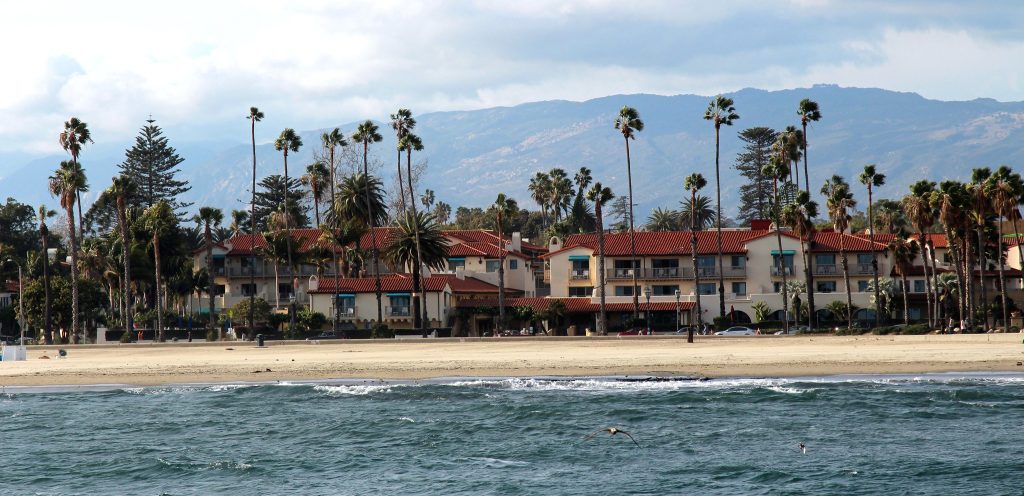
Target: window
x=664, y=290
x=623, y=290
x=248, y=289
x=582, y=291
x=285, y=290
x=738, y=261
x=915, y=313
x=825, y=286
x=787, y=260
x=399, y=306
x=513, y=264
x=626, y=264
x=456, y=263
x=864, y=258
x=665, y=263
x=705, y=262
x=218, y=289
x=708, y=288
x=580, y=264
x=919, y=286
x=825, y=259
x=739, y=288
x=492, y=265
x=862, y=286
x=347, y=305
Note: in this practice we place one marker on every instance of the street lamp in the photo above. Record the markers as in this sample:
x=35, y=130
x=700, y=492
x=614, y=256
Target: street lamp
x=647, y=296
x=21, y=303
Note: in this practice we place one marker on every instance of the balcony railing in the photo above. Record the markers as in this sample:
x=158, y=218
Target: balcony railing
x=778, y=271
x=579, y=274
x=708, y=272
x=623, y=273
x=825, y=270
x=397, y=311
x=664, y=273
x=347, y=312
x=861, y=269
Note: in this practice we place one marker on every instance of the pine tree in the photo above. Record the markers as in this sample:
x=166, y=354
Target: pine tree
x=152, y=164
x=270, y=198
x=756, y=193
x=620, y=212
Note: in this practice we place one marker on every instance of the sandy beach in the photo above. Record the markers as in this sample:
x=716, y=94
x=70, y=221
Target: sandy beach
x=151, y=364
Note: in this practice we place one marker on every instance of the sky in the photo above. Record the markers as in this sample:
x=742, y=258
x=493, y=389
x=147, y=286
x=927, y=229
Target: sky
x=198, y=66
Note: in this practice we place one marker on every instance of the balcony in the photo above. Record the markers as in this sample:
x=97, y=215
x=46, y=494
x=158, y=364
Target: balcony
x=861, y=269
x=397, y=312
x=778, y=271
x=826, y=270
x=663, y=273
x=648, y=273
x=579, y=274
x=624, y=273
x=347, y=312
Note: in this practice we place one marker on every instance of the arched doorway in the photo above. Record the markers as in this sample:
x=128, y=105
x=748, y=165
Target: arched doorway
x=739, y=317
x=825, y=315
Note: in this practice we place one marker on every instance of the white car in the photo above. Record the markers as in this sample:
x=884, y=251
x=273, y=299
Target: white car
x=736, y=331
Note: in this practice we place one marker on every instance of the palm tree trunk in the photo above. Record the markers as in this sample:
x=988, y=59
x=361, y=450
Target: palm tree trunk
x=316, y=201
x=718, y=227
x=126, y=255
x=252, y=224
x=1002, y=279
x=846, y=280
x=781, y=259
x=401, y=187
x=602, y=320
x=809, y=275
x=696, y=270
x=969, y=273
x=373, y=237
x=277, y=287
x=74, y=274
x=159, y=308
x=954, y=251
x=807, y=177
x=906, y=307
x=418, y=285
x=501, y=276
x=288, y=242
x=210, y=278
x=874, y=256
x=981, y=275
x=47, y=322
x=925, y=255
x=632, y=236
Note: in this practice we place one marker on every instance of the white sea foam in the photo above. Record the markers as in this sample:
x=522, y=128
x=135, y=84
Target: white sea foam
x=497, y=462
x=353, y=389
x=407, y=419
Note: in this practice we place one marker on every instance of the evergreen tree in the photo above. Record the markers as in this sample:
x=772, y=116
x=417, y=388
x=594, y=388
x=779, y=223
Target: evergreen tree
x=270, y=199
x=620, y=212
x=756, y=193
x=152, y=164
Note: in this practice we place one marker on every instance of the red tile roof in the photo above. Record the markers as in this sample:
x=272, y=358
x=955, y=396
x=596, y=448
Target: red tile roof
x=403, y=283
x=664, y=242
x=829, y=241
x=572, y=305
x=306, y=239
x=937, y=239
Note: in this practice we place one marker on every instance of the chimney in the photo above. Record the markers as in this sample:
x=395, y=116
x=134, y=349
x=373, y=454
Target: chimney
x=760, y=225
x=517, y=242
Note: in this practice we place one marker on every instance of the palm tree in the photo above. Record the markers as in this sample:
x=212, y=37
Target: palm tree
x=160, y=220
x=628, y=123
x=367, y=133
x=540, y=191
x=720, y=111
x=808, y=112
x=122, y=189
x=254, y=116
x=800, y=216
x=75, y=135
x=275, y=249
x=208, y=219
x=288, y=140
x=340, y=234
x=778, y=169
x=919, y=211
x=427, y=199
x=331, y=142
x=65, y=184
x=949, y=201
x=694, y=183
x=600, y=195
x=793, y=139
x=872, y=179
x=560, y=191
x=402, y=122
x=904, y=251
x=502, y=206
x=410, y=142
x=1004, y=203
x=239, y=218
x=662, y=219
x=980, y=209
x=839, y=201
x=44, y=213
x=699, y=206
x=316, y=178
x=418, y=243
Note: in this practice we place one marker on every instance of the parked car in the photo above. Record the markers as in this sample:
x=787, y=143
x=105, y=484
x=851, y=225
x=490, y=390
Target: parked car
x=636, y=331
x=703, y=331
x=324, y=335
x=736, y=331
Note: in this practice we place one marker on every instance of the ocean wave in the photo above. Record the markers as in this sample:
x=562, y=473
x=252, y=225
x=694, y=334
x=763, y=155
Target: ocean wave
x=496, y=462
x=353, y=389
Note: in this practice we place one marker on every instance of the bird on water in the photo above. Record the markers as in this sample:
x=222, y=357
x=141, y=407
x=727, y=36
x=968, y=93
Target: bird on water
x=612, y=431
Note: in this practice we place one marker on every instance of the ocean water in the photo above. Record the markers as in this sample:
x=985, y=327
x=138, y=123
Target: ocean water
x=932, y=434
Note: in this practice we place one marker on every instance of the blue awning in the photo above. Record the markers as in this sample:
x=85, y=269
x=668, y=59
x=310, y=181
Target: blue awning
x=580, y=258
x=346, y=295
x=398, y=294
x=784, y=252
x=457, y=259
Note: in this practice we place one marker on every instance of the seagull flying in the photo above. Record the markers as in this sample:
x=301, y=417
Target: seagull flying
x=612, y=431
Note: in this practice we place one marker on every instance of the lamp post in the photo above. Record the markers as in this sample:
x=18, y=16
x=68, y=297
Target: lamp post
x=647, y=296
x=21, y=303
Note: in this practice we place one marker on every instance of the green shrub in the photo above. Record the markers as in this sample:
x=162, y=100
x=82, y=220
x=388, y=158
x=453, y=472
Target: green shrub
x=881, y=331
x=850, y=332
x=126, y=337
x=276, y=319
x=914, y=330
x=212, y=334
x=722, y=323
x=311, y=321
x=381, y=331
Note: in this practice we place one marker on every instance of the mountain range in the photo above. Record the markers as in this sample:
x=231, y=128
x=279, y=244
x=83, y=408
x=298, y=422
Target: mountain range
x=470, y=156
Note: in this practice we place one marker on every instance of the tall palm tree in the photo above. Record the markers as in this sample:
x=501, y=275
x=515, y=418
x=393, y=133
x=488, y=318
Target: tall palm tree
x=699, y=206
x=872, y=179
x=839, y=201
x=239, y=218
x=289, y=140
x=1004, y=203
x=793, y=139
x=123, y=188
x=254, y=116
x=1016, y=185
x=208, y=219
x=275, y=250
x=800, y=216
x=402, y=122
x=75, y=135
x=418, y=243
x=904, y=251
x=503, y=205
x=628, y=123
x=410, y=142
x=331, y=142
x=778, y=169
x=44, y=213
x=694, y=183
x=808, y=112
x=950, y=201
x=720, y=111
x=367, y=133
x=560, y=191
x=540, y=191
x=316, y=177
x=65, y=183
x=919, y=211
x=159, y=220
x=600, y=195
x=981, y=207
